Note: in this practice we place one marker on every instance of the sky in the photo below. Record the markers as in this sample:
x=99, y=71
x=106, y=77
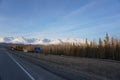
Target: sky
x=59, y=18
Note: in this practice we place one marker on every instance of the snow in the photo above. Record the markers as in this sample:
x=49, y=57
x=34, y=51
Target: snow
x=42, y=41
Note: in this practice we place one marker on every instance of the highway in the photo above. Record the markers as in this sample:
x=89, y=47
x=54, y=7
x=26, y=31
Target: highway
x=11, y=69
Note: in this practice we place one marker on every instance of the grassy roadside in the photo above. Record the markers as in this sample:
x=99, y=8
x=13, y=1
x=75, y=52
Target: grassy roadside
x=97, y=69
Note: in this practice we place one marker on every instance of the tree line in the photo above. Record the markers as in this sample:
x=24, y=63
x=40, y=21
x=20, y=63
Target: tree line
x=109, y=48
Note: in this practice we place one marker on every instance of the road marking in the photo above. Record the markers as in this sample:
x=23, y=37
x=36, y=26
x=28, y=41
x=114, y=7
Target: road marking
x=32, y=78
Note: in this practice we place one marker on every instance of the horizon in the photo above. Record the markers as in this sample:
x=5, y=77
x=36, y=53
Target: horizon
x=60, y=19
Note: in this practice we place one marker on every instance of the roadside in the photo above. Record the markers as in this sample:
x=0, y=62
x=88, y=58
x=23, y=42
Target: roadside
x=74, y=68
x=37, y=72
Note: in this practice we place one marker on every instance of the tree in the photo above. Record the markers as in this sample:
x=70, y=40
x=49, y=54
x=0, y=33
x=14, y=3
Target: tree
x=86, y=43
x=91, y=44
x=106, y=41
x=100, y=43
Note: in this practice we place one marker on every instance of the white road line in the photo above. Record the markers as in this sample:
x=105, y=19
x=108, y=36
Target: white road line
x=32, y=78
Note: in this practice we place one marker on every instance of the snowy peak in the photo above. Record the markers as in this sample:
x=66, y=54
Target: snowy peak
x=43, y=41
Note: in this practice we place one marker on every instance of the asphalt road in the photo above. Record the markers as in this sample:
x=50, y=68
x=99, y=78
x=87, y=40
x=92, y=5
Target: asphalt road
x=11, y=69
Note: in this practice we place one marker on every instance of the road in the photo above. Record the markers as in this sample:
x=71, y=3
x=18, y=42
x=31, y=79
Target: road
x=11, y=69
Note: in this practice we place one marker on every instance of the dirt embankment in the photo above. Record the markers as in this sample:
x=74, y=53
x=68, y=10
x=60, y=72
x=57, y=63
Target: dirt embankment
x=97, y=69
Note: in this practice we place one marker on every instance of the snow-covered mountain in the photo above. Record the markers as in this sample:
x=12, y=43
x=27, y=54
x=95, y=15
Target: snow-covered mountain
x=43, y=41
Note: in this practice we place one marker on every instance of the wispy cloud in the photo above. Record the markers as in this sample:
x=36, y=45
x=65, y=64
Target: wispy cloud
x=98, y=29
x=80, y=10
x=85, y=18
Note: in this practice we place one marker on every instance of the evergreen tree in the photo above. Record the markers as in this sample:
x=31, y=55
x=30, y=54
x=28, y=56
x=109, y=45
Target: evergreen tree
x=107, y=39
x=100, y=43
x=86, y=43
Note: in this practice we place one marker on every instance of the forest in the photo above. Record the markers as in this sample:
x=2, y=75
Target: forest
x=109, y=48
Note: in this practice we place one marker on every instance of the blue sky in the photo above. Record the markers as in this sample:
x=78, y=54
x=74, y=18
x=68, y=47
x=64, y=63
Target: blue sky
x=59, y=18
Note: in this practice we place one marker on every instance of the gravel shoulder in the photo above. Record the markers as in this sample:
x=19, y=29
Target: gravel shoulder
x=38, y=73
x=75, y=67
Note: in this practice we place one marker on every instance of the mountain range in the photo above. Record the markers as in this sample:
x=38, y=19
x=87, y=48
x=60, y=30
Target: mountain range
x=42, y=41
